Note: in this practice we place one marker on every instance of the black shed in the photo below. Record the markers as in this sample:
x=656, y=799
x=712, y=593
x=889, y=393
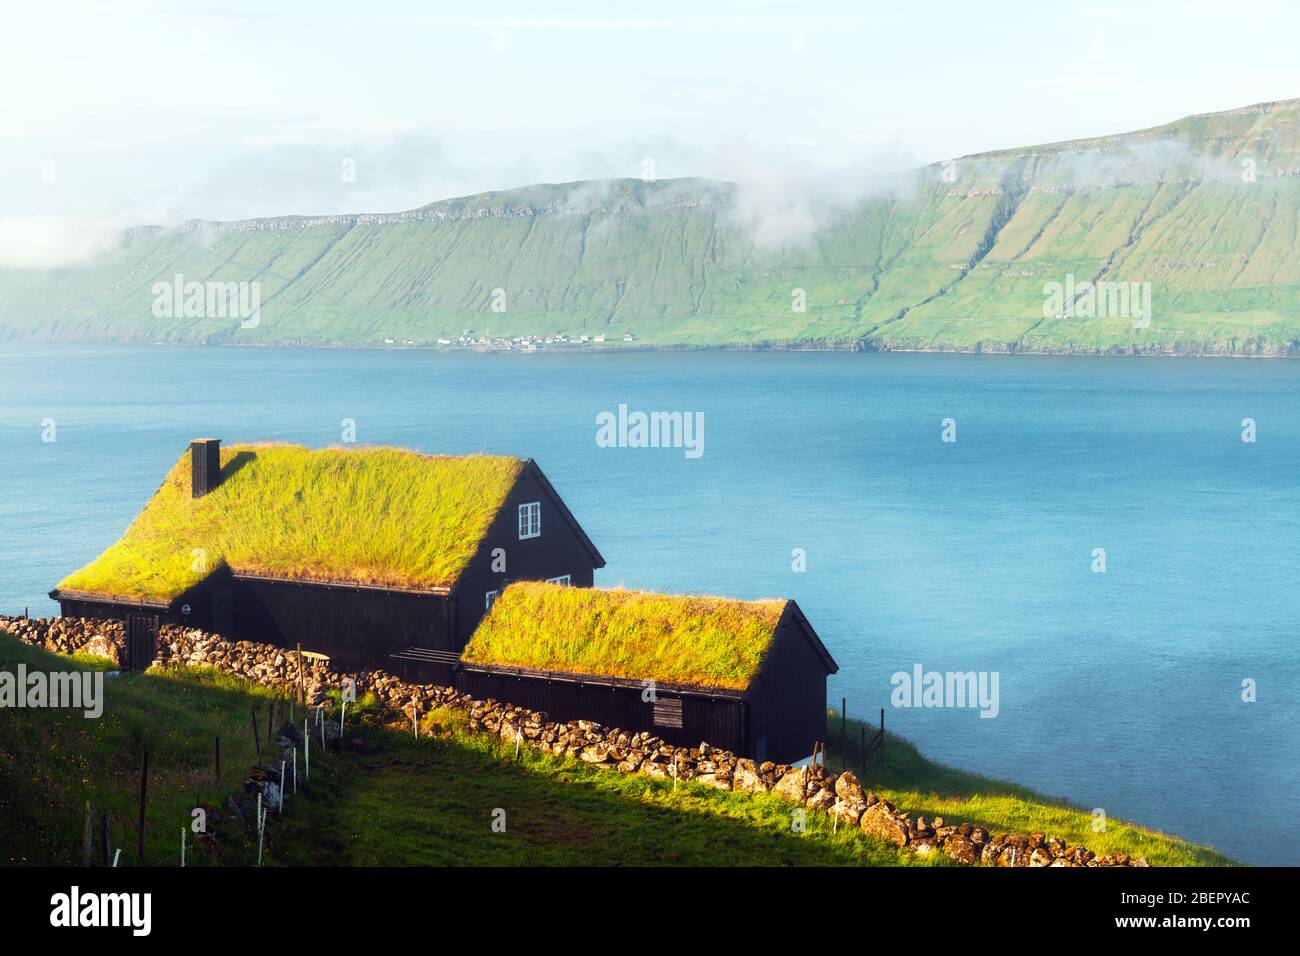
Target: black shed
x=746, y=676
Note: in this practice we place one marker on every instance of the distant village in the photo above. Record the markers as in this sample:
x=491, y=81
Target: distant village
x=470, y=339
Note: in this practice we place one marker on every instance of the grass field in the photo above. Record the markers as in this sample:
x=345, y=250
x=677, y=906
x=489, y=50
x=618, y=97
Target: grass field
x=389, y=799
x=376, y=807
x=389, y=517
x=708, y=641
x=432, y=802
x=395, y=801
x=53, y=761
x=911, y=781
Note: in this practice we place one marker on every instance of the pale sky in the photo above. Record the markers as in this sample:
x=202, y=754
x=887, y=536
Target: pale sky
x=136, y=112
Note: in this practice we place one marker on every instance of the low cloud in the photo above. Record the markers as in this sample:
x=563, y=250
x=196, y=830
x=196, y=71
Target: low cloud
x=777, y=195
x=1108, y=165
x=1098, y=164
x=53, y=243
x=779, y=202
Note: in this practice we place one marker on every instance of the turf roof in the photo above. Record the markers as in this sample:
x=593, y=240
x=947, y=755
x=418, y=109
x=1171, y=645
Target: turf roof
x=376, y=516
x=637, y=635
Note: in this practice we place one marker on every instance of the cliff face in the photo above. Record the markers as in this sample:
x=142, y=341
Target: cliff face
x=1198, y=219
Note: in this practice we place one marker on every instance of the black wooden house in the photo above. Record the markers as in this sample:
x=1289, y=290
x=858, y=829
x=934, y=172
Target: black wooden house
x=747, y=676
x=500, y=519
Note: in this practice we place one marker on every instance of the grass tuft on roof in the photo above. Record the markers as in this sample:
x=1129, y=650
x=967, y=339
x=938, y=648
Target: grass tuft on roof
x=673, y=639
x=375, y=516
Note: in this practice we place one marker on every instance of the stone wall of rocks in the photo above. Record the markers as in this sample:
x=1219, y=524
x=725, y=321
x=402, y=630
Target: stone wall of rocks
x=840, y=795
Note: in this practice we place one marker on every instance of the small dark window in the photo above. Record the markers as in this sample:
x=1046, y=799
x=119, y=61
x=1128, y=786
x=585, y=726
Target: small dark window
x=668, y=712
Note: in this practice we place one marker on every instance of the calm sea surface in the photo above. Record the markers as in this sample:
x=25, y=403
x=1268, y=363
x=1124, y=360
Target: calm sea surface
x=1119, y=690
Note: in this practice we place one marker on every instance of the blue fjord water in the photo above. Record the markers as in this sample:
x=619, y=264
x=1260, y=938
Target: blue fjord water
x=1119, y=690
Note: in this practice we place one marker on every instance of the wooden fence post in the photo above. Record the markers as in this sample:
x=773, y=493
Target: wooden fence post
x=256, y=739
x=844, y=734
x=86, y=841
x=302, y=681
x=144, y=789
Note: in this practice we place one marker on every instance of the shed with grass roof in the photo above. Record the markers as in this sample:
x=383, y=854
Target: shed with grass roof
x=377, y=557
x=746, y=676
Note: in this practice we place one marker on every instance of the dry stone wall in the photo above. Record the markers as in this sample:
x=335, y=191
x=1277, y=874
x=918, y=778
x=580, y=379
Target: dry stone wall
x=840, y=795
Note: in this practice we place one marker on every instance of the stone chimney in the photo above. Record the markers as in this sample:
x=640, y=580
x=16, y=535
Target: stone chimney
x=205, y=465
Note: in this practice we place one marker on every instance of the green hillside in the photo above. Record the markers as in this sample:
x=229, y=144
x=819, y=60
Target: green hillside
x=952, y=256
x=55, y=760
x=388, y=799
x=395, y=800
x=405, y=802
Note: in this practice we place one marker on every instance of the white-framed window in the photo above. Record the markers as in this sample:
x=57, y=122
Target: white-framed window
x=530, y=520
x=489, y=599
x=565, y=579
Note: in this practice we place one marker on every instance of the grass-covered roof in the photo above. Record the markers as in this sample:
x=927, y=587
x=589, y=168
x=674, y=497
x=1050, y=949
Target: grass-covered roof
x=375, y=516
x=673, y=639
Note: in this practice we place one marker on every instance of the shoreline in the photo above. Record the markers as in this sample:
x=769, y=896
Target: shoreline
x=623, y=349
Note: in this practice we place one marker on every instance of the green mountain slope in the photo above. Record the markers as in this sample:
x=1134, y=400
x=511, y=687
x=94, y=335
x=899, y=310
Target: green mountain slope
x=953, y=256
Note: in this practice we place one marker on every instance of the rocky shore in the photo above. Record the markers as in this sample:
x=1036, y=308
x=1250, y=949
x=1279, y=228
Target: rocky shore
x=817, y=789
